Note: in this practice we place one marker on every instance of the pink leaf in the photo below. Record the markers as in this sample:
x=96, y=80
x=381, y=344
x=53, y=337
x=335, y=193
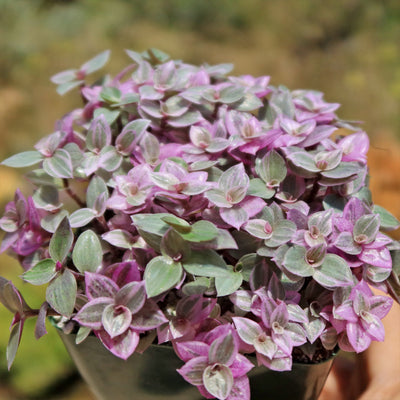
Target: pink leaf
x=121, y=346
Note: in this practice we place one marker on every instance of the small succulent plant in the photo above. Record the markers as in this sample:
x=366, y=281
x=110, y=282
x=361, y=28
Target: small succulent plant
x=216, y=213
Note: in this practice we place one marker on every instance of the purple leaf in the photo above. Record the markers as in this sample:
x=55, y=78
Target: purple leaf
x=223, y=350
x=124, y=272
x=378, y=257
x=241, y=366
x=345, y=242
x=99, y=286
x=149, y=317
x=240, y=389
x=132, y=295
x=357, y=336
x=193, y=370
x=188, y=350
x=11, y=298
x=233, y=177
x=373, y=326
x=40, y=326
x=380, y=305
x=122, y=346
x=91, y=313
x=247, y=329
x=235, y=216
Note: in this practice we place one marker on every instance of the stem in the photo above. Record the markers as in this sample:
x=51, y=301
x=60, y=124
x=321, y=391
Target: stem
x=103, y=223
x=215, y=112
x=314, y=192
x=72, y=194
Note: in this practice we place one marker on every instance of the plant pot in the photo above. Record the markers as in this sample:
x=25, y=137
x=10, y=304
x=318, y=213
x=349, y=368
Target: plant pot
x=152, y=375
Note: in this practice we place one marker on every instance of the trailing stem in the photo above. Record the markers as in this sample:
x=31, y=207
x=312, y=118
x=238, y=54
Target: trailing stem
x=72, y=194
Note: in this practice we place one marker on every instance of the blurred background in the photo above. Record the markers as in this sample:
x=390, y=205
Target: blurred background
x=349, y=49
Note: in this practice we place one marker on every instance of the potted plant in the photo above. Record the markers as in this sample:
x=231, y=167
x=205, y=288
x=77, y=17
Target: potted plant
x=215, y=215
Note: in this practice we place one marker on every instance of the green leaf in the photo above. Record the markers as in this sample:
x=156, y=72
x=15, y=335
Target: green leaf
x=64, y=76
x=98, y=135
x=110, y=95
x=388, y=221
x=343, y=170
x=110, y=159
x=174, y=246
x=75, y=153
x=258, y=188
x=335, y=202
x=59, y=165
x=246, y=264
x=61, y=293
x=96, y=62
x=224, y=240
x=110, y=116
x=334, y=272
x=24, y=159
x=161, y=274
x=46, y=197
x=367, y=226
x=228, y=283
x=128, y=98
x=295, y=262
x=51, y=222
x=156, y=56
x=231, y=94
x=202, y=231
x=68, y=86
x=96, y=187
x=81, y=217
x=43, y=272
x=39, y=177
x=61, y=241
x=130, y=135
x=187, y=119
x=82, y=334
x=13, y=343
x=179, y=224
x=282, y=233
x=87, y=254
x=119, y=238
x=206, y=263
x=249, y=102
x=272, y=168
x=198, y=286
x=151, y=223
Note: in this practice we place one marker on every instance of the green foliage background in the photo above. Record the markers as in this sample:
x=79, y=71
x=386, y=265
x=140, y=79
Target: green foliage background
x=348, y=49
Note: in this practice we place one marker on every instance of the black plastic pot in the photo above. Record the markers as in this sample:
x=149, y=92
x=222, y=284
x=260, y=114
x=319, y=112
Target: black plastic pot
x=152, y=375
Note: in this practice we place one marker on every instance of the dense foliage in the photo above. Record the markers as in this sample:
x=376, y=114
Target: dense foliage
x=219, y=213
